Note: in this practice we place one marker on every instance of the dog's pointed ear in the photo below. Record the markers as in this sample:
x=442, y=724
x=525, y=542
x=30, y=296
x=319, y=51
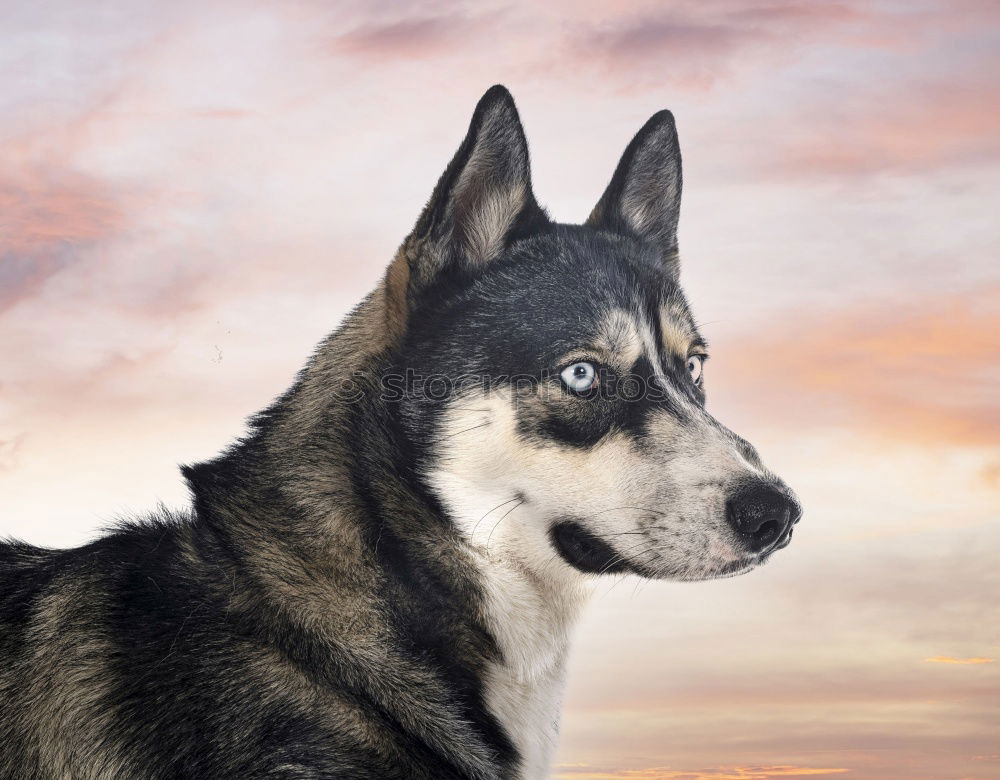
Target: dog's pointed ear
x=482, y=202
x=644, y=197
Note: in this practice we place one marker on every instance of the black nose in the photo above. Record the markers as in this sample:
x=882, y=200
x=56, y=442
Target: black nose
x=762, y=516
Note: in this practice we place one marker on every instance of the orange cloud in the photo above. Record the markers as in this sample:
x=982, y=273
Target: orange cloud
x=947, y=659
x=584, y=772
x=920, y=370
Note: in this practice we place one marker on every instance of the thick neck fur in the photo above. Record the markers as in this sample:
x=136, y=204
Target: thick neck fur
x=325, y=522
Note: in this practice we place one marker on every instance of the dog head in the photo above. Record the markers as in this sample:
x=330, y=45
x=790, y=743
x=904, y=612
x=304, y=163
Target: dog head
x=553, y=379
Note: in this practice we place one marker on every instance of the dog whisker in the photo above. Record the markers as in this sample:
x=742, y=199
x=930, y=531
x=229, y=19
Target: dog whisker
x=505, y=514
x=472, y=534
x=622, y=556
x=465, y=430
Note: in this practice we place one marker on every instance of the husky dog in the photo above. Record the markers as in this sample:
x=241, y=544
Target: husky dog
x=380, y=580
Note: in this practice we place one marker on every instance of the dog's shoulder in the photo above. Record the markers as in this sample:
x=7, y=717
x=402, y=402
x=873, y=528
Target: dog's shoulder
x=26, y=573
x=44, y=590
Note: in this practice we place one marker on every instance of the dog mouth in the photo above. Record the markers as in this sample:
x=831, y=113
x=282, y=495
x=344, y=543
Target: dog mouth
x=751, y=562
x=726, y=570
x=586, y=552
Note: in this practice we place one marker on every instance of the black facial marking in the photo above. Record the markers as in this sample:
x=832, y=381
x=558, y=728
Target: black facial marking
x=585, y=551
x=574, y=430
x=548, y=296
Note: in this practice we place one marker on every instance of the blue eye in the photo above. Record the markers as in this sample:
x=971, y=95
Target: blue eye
x=696, y=365
x=579, y=377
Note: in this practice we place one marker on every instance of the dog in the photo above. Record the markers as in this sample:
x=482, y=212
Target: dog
x=379, y=580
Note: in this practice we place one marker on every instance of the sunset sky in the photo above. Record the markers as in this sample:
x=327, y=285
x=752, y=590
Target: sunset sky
x=193, y=193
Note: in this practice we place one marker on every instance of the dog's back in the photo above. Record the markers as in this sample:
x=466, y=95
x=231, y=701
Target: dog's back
x=100, y=665
x=59, y=651
x=125, y=658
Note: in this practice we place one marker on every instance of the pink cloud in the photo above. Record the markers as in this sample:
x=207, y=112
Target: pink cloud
x=416, y=37
x=916, y=127
x=10, y=450
x=47, y=217
x=695, y=44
